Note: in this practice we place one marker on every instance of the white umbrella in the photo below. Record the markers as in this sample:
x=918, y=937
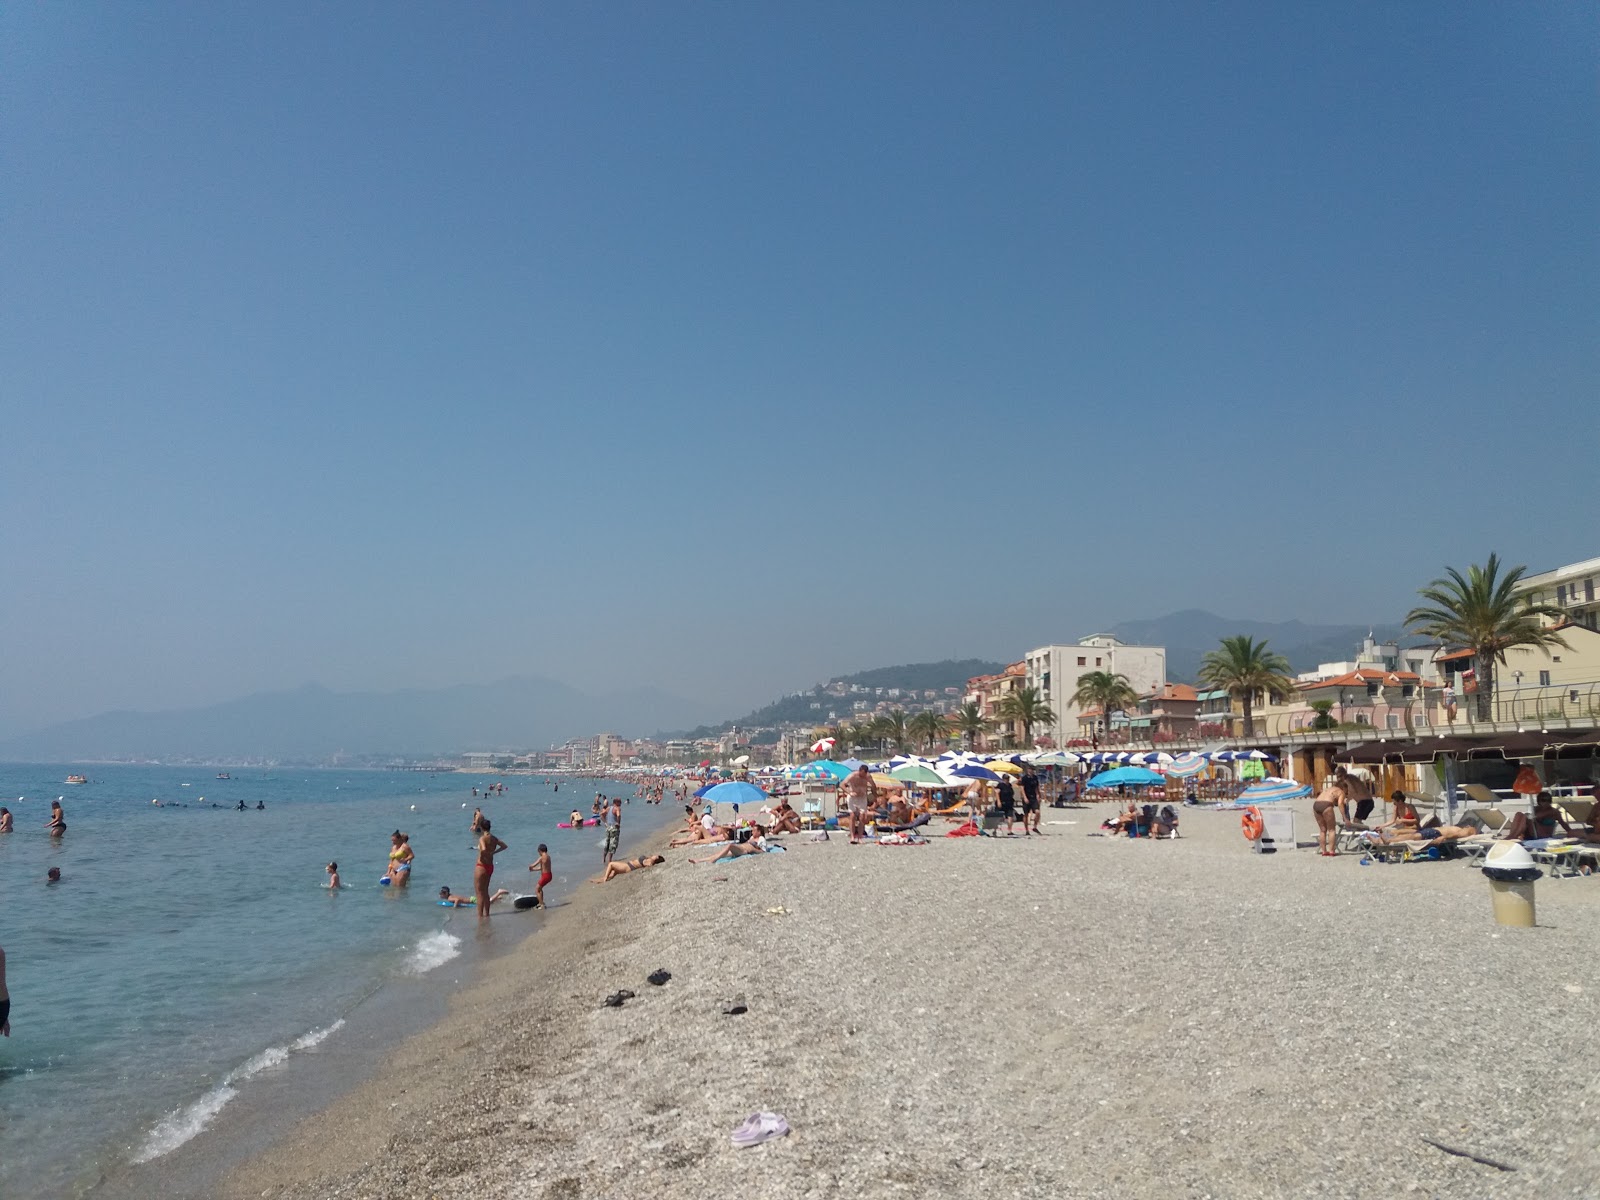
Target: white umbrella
x=822, y=745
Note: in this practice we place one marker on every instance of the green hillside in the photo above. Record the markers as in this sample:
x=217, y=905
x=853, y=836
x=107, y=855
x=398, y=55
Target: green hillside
x=797, y=710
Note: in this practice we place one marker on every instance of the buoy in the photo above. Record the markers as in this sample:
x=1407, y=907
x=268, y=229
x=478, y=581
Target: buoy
x=413, y=808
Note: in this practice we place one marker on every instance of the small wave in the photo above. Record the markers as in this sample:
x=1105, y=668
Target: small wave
x=179, y=1127
x=432, y=951
x=315, y=1037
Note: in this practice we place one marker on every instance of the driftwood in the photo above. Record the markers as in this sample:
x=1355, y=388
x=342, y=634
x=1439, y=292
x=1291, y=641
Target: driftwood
x=1477, y=1158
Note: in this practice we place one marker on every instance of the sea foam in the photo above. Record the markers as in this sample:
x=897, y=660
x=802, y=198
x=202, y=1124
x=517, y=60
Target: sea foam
x=432, y=951
x=178, y=1127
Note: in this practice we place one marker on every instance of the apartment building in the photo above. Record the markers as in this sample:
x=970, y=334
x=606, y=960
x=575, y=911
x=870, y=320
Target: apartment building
x=1056, y=670
x=1570, y=588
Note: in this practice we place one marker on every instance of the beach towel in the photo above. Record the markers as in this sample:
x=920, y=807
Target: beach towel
x=967, y=830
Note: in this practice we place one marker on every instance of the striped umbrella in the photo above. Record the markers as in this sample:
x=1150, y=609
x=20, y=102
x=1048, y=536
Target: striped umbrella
x=822, y=746
x=1186, y=765
x=1272, y=788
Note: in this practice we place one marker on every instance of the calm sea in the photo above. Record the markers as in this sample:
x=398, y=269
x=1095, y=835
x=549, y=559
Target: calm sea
x=191, y=947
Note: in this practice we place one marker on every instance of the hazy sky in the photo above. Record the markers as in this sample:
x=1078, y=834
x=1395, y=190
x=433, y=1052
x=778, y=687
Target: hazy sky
x=727, y=346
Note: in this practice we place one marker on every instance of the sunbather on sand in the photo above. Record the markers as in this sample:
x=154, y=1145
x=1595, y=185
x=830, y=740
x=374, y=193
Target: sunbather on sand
x=624, y=866
x=737, y=850
x=784, y=819
x=1404, y=824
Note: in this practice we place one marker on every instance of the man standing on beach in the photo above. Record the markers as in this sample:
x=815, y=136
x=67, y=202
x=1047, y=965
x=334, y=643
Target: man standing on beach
x=613, y=830
x=860, y=791
x=1008, y=806
x=1030, y=801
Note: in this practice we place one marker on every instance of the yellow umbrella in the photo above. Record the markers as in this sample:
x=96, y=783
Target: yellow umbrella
x=886, y=782
x=1005, y=767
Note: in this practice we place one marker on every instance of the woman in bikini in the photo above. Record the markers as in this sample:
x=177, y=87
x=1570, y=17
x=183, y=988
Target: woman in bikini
x=57, y=824
x=1541, y=824
x=623, y=866
x=400, y=858
x=1327, y=809
x=488, y=847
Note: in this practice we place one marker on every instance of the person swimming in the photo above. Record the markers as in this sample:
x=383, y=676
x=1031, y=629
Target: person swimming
x=333, y=877
x=446, y=896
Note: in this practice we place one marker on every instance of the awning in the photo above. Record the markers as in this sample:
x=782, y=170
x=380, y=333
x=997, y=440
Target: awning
x=1558, y=744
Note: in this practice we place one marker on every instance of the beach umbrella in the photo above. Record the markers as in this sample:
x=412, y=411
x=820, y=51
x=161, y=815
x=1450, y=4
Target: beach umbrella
x=735, y=792
x=1186, y=765
x=822, y=745
x=1057, y=758
x=700, y=792
x=1000, y=764
x=1131, y=776
x=1272, y=788
x=823, y=768
x=886, y=782
x=974, y=771
x=741, y=760
x=918, y=774
x=1242, y=756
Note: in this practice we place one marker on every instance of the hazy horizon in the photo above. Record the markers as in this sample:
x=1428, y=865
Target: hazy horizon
x=711, y=349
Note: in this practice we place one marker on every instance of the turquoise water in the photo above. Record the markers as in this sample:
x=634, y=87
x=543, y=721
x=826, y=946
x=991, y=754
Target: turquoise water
x=189, y=949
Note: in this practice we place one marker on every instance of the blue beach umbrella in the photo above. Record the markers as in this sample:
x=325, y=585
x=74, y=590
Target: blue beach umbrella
x=1272, y=788
x=736, y=792
x=1132, y=776
x=975, y=771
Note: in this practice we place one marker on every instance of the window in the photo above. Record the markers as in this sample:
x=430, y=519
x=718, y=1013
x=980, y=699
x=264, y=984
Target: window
x=1372, y=690
x=1588, y=588
x=1561, y=593
x=1082, y=662
x=1393, y=721
x=1544, y=678
x=1097, y=662
x=1407, y=691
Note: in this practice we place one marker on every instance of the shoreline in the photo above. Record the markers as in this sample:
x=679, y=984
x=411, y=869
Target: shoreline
x=1064, y=1017
x=283, y=1099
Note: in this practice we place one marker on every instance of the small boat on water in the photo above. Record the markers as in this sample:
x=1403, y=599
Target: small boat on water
x=77, y=779
x=224, y=775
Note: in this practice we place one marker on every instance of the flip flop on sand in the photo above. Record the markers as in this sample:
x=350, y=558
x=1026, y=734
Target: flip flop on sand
x=659, y=976
x=759, y=1127
x=735, y=1007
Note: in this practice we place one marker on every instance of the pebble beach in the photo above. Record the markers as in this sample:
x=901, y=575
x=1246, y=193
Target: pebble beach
x=1054, y=1017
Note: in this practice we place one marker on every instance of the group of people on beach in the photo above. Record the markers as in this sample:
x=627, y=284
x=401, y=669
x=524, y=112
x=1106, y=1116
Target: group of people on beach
x=402, y=858
x=1347, y=801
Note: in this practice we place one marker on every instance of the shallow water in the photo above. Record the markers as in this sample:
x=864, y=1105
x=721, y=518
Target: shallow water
x=190, y=949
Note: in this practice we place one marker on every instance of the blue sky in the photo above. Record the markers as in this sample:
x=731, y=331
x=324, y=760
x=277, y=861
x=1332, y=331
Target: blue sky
x=725, y=347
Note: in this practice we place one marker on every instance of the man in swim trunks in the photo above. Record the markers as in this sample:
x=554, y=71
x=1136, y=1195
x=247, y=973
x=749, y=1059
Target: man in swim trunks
x=860, y=792
x=545, y=874
x=627, y=865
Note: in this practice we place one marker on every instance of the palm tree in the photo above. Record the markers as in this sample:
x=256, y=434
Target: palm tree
x=1106, y=691
x=1484, y=613
x=969, y=723
x=927, y=727
x=1243, y=667
x=892, y=729
x=1025, y=707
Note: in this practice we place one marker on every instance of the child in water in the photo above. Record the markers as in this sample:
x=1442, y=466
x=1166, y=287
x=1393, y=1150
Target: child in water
x=545, y=874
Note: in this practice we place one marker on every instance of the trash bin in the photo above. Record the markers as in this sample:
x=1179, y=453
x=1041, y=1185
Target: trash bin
x=1510, y=871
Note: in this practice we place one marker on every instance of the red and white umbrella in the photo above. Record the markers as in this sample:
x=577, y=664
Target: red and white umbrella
x=822, y=746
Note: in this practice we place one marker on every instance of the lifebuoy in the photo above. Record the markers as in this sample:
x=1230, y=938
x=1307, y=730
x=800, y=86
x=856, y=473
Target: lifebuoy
x=1253, y=824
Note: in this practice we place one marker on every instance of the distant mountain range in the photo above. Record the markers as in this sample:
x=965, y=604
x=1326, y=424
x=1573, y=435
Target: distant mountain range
x=1188, y=635
x=313, y=724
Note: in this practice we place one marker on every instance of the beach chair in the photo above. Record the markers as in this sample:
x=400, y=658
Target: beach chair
x=1494, y=823
x=1478, y=794
x=811, y=814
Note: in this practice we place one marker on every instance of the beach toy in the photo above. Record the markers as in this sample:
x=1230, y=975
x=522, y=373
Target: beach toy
x=383, y=881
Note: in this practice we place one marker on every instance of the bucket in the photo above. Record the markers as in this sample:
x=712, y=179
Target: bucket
x=1513, y=903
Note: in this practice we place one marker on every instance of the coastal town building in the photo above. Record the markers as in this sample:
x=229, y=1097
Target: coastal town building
x=1056, y=669
x=1571, y=588
x=988, y=692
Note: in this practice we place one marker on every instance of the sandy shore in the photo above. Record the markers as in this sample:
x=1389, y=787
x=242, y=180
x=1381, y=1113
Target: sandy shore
x=1060, y=1017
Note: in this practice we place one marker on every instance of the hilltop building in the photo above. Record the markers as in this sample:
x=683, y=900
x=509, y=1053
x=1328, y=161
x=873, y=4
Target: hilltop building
x=1571, y=588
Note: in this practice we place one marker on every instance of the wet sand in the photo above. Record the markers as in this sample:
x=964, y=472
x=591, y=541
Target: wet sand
x=1070, y=1016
